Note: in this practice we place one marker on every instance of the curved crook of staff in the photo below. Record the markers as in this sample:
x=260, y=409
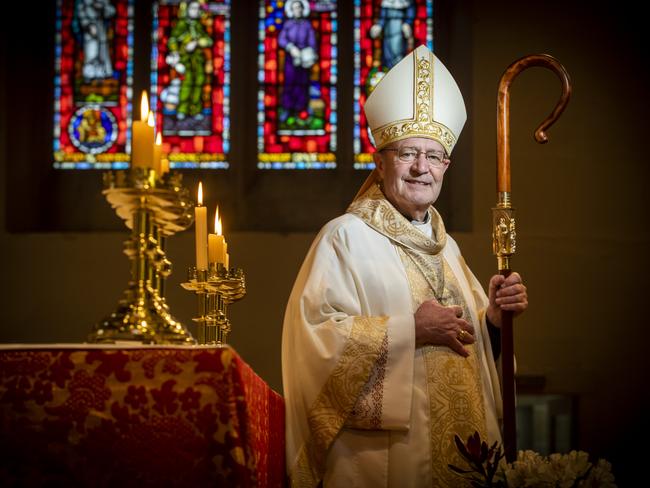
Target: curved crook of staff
x=503, y=110
x=503, y=236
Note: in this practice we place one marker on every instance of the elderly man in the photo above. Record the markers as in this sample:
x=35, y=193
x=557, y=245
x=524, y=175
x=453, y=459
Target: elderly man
x=387, y=351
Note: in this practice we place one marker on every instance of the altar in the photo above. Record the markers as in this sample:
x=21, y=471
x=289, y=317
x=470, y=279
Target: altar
x=136, y=415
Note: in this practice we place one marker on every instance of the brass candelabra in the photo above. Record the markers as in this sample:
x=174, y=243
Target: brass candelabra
x=216, y=288
x=154, y=207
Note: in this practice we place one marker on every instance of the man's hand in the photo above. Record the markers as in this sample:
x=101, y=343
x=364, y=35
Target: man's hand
x=437, y=325
x=506, y=294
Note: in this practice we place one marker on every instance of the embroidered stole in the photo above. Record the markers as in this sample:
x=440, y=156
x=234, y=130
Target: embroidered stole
x=453, y=382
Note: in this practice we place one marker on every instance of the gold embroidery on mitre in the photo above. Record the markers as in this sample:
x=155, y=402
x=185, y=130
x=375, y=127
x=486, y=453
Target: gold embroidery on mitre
x=423, y=123
x=453, y=383
x=338, y=396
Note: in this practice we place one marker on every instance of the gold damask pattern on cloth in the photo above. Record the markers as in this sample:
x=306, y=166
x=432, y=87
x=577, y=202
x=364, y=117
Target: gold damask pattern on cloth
x=338, y=396
x=366, y=413
x=453, y=382
x=101, y=415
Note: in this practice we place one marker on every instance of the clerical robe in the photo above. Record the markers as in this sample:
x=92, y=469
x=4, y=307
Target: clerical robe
x=364, y=406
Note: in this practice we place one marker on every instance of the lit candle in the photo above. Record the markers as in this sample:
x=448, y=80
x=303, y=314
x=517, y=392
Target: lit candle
x=216, y=241
x=143, y=137
x=201, y=225
x=157, y=153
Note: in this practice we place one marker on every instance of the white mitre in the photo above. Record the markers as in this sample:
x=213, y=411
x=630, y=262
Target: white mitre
x=418, y=97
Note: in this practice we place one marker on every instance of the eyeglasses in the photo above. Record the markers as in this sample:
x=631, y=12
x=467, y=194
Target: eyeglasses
x=409, y=155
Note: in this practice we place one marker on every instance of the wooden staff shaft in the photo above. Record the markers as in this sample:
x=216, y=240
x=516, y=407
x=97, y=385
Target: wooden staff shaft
x=509, y=387
x=504, y=222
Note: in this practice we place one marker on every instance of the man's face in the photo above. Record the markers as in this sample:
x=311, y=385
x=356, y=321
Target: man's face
x=411, y=187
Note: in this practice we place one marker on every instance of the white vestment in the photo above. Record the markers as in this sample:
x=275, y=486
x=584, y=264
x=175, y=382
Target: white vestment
x=364, y=407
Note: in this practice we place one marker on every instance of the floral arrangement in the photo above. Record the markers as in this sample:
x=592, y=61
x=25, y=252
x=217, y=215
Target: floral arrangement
x=488, y=469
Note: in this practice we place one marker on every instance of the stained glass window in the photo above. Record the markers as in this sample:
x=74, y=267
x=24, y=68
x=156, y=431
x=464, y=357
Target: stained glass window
x=93, y=83
x=297, y=71
x=384, y=32
x=190, y=81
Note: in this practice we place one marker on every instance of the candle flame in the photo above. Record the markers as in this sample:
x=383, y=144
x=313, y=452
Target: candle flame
x=144, y=106
x=158, y=139
x=150, y=121
x=217, y=223
x=200, y=199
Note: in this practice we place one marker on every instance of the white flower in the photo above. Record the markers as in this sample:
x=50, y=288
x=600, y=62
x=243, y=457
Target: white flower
x=600, y=476
x=530, y=470
x=557, y=471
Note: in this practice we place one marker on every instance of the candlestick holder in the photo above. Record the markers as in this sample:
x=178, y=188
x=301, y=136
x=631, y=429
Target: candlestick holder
x=154, y=207
x=216, y=288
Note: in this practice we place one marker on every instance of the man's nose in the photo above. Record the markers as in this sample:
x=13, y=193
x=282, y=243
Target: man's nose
x=421, y=163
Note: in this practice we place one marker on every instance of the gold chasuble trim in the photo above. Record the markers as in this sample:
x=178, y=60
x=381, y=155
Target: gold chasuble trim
x=453, y=382
x=454, y=387
x=338, y=397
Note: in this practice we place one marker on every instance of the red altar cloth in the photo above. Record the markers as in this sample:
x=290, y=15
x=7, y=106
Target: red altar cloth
x=89, y=415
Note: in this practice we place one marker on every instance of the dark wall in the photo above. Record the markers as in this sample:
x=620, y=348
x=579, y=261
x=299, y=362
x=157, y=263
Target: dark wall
x=580, y=199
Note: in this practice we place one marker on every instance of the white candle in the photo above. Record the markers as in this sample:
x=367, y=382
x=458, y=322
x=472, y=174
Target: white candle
x=164, y=165
x=201, y=226
x=143, y=137
x=157, y=153
x=216, y=241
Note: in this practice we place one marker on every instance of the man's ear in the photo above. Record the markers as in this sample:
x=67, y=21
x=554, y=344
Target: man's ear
x=379, y=163
x=446, y=166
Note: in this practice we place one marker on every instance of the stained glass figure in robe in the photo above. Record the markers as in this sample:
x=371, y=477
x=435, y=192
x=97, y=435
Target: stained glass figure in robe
x=394, y=26
x=93, y=17
x=298, y=39
x=297, y=74
x=385, y=32
x=93, y=83
x=191, y=81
